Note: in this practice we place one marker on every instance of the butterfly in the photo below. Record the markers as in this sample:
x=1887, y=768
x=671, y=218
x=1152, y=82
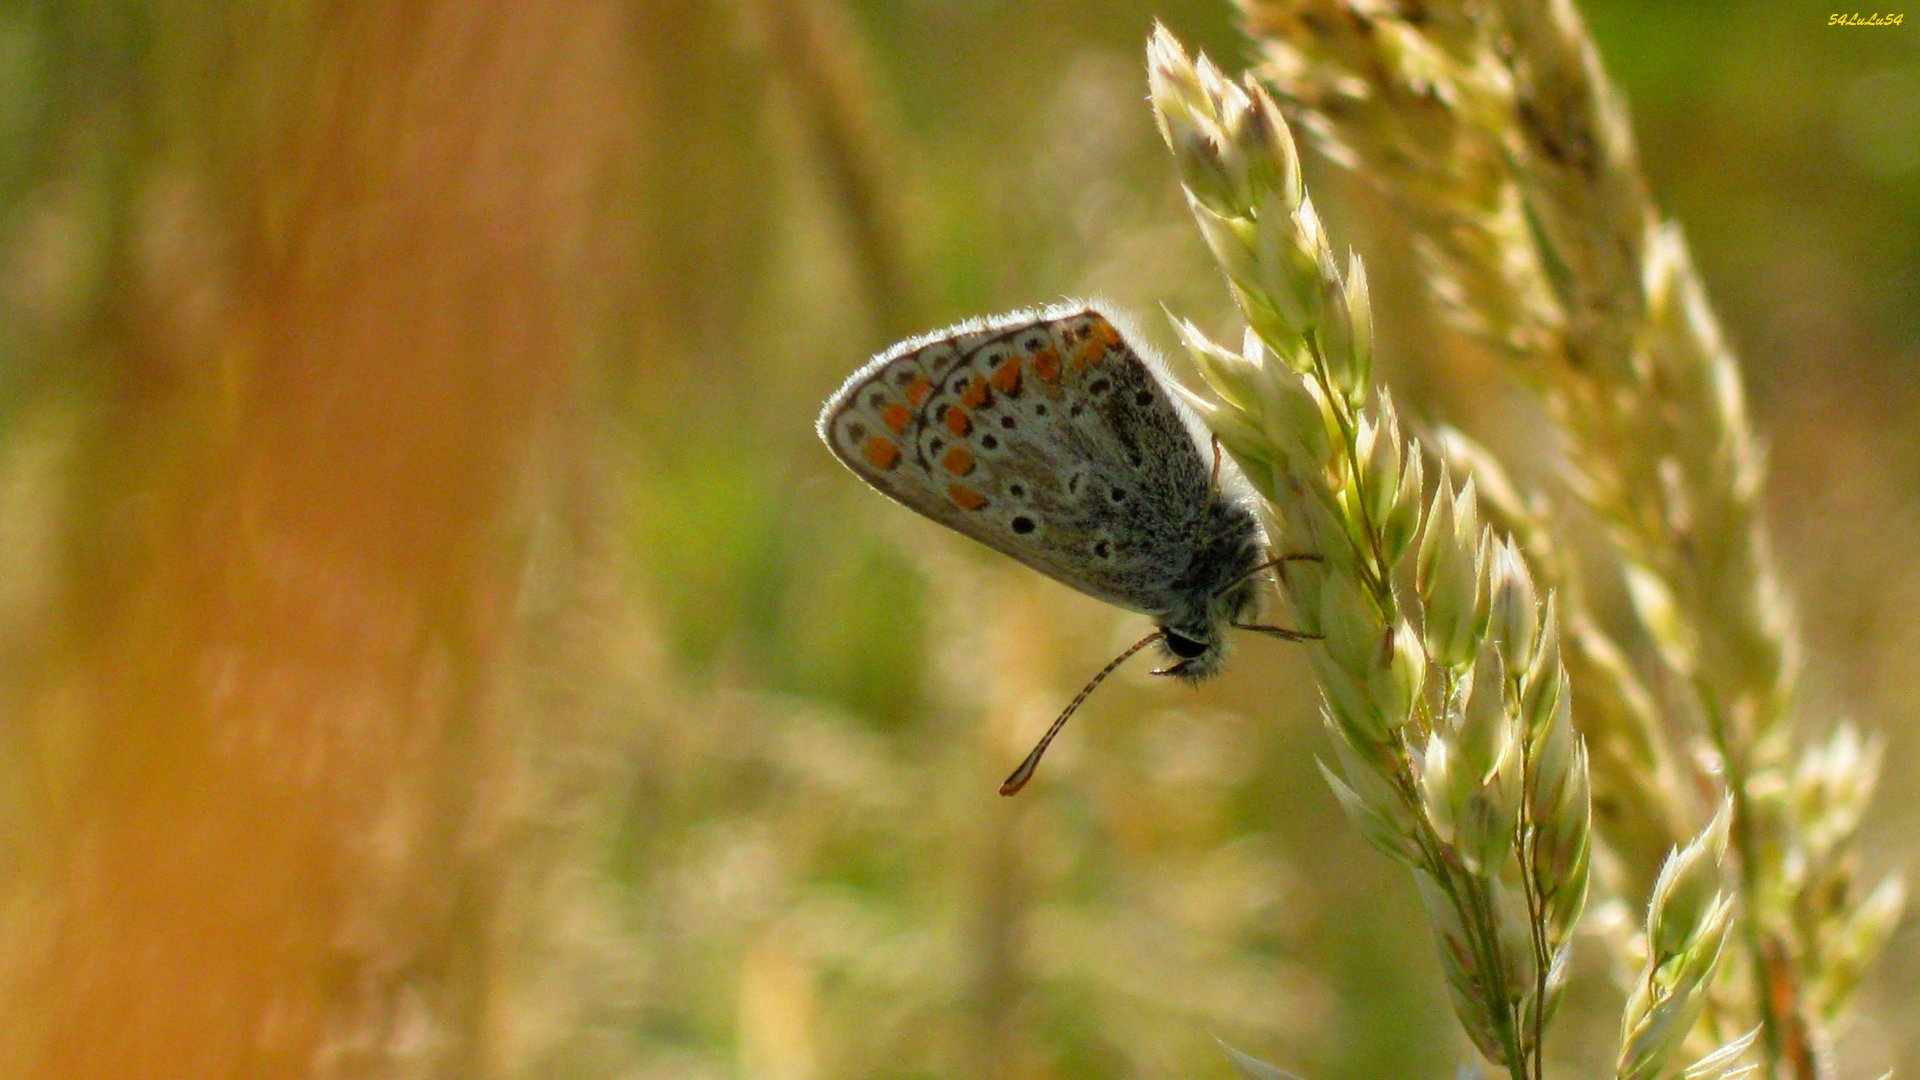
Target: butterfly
x=1047, y=436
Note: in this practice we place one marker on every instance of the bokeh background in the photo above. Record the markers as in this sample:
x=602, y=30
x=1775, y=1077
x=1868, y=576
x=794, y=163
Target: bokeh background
x=434, y=643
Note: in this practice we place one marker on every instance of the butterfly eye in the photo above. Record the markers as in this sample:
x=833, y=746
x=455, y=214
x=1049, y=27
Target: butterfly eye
x=1184, y=647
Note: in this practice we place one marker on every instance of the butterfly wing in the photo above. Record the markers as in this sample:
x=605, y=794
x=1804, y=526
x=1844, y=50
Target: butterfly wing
x=1044, y=436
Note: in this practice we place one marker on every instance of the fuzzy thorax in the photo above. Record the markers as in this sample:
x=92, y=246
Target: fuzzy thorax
x=1218, y=589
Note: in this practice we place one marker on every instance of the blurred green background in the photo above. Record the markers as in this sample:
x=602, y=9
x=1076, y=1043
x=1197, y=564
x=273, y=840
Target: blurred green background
x=567, y=286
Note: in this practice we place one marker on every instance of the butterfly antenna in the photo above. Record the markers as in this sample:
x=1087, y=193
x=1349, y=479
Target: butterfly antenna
x=1025, y=772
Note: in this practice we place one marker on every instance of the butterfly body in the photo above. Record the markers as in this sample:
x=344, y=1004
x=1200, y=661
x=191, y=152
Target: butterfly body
x=1048, y=437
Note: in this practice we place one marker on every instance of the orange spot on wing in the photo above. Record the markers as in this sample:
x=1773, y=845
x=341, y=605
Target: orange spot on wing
x=957, y=421
x=896, y=416
x=1088, y=355
x=975, y=395
x=965, y=497
x=1007, y=376
x=957, y=461
x=1046, y=364
x=918, y=390
x=1108, y=336
x=881, y=454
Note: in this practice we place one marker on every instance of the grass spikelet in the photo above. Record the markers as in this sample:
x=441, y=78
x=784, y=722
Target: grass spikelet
x=1687, y=921
x=1494, y=131
x=1445, y=693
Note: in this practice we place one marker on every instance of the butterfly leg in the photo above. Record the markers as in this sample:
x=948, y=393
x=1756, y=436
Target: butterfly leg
x=1213, y=492
x=1277, y=631
x=1213, y=482
x=1279, y=563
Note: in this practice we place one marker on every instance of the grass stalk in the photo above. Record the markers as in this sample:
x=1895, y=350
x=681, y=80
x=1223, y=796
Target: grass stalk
x=1493, y=130
x=816, y=53
x=1473, y=778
